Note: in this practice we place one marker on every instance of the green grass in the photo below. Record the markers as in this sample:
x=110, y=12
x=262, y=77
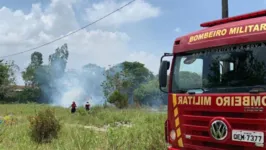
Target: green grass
x=146, y=131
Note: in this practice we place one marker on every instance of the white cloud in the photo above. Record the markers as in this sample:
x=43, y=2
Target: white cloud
x=137, y=11
x=20, y=31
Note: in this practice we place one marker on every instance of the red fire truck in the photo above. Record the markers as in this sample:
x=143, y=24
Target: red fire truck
x=217, y=86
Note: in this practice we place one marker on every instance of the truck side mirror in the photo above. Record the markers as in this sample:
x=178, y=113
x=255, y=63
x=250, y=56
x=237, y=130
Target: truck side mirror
x=165, y=65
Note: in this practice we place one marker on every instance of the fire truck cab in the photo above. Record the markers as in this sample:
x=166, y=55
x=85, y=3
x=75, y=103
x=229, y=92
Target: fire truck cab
x=217, y=86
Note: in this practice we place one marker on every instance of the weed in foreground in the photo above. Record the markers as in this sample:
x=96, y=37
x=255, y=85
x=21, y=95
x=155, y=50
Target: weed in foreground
x=82, y=111
x=141, y=136
x=44, y=126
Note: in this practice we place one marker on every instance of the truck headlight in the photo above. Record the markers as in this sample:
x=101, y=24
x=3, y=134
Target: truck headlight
x=173, y=135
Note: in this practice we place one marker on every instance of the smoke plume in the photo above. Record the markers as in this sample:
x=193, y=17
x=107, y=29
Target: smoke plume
x=61, y=89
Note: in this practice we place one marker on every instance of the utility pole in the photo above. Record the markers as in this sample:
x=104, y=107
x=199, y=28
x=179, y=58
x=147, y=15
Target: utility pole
x=226, y=65
x=224, y=8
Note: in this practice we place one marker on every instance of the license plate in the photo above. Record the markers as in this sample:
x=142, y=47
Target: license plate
x=248, y=136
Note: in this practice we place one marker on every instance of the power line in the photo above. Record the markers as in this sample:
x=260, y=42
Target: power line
x=66, y=35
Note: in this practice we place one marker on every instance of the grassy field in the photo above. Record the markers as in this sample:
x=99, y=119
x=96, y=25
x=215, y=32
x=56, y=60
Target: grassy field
x=128, y=129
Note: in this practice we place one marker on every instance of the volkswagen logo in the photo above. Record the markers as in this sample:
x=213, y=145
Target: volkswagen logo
x=219, y=130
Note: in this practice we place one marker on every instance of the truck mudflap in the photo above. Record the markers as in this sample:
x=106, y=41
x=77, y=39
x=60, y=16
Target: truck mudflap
x=166, y=136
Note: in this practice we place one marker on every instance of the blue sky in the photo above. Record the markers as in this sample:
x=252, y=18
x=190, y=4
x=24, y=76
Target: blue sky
x=158, y=34
x=153, y=35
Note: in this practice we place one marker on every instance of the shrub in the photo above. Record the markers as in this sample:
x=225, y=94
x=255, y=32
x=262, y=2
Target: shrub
x=118, y=99
x=28, y=95
x=44, y=126
x=9, y=120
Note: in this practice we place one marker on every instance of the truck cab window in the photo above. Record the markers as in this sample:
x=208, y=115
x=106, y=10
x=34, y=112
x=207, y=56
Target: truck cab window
x=189, y=74
x=207, y=70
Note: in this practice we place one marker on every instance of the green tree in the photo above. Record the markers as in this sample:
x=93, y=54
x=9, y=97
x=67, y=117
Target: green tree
x=43, y=77
x=125, y=78
x=118, y=99
x=36, y=59
x=51, y=73
x=150, y=94
x=115, y=85
x=58, y=61
x=29, y=75
x=136, y=73
x=115, y=80
x=146, y=91
x=7, y=79
x=28, y=94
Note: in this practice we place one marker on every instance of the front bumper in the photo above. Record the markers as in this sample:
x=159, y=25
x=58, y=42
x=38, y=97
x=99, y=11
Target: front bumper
x=171, y=148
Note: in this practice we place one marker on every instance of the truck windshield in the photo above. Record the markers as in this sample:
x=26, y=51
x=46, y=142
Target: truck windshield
x=226, y=69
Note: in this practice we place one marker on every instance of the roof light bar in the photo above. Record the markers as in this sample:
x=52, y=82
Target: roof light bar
x=235, y=18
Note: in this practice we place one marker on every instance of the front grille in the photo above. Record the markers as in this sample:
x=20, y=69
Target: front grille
x=195, y=124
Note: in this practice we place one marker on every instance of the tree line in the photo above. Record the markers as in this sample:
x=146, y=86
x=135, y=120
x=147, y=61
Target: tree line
x=124, y=84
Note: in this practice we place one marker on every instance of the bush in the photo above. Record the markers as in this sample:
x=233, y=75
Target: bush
x=118, y=99
x=44, y=126
x=28, y=95
x=10, y=120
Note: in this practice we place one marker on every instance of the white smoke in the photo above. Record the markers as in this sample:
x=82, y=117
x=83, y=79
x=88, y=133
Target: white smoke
x=76, y=85
x=85, y=85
